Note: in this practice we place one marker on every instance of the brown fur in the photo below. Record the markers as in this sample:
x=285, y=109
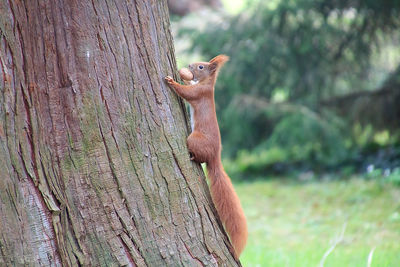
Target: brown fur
x=204, y=143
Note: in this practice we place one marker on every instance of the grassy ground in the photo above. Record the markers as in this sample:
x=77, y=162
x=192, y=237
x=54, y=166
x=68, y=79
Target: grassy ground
x=295, y=223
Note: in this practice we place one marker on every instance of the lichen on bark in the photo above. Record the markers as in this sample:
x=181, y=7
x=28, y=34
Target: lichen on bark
x=93, y=161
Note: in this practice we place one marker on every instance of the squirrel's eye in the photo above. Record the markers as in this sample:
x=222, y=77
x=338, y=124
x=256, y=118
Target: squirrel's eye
x=201, y=67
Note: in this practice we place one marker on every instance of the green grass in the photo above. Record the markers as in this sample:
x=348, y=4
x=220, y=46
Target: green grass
x=294, y=223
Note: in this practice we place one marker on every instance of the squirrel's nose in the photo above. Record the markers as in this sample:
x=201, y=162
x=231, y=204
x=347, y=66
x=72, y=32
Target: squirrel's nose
x=190, y=66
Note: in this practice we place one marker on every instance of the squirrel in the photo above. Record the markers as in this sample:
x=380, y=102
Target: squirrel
x=204, y=144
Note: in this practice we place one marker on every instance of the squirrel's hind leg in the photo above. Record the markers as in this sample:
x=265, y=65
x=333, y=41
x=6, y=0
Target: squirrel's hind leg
x=199, y=147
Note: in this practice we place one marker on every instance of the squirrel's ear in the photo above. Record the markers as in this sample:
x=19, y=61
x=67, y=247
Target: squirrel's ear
x=217, y=62
x=220, y=59
x=213, y=67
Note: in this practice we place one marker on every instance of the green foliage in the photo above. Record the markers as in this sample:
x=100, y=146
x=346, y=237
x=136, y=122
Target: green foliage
x=323, y=47
x=287, y=59
x=299, y=140
x=385, y=176
x=394, y=176
x=309, y=137
x=295, y=140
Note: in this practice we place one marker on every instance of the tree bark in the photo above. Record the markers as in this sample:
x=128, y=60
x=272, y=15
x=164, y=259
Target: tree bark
x=94, y=169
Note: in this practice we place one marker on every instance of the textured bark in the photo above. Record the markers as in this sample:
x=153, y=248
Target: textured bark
x=94, y=169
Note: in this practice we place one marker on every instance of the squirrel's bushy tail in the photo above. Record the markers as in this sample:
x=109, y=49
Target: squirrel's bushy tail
x=228, y=206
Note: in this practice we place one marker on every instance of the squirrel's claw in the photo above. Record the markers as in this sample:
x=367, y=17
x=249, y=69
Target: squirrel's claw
x=169, y=79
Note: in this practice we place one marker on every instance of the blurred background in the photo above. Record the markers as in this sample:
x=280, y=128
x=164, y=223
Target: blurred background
x=309, y=111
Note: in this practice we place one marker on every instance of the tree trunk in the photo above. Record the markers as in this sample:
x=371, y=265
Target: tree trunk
x=94, y=169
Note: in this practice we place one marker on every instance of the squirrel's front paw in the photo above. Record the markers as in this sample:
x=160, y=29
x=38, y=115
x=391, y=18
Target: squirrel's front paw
x=169, y=79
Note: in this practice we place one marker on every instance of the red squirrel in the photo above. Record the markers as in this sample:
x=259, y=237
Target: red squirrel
x=204, y=145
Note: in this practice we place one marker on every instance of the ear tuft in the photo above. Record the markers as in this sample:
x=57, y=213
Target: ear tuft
x=217, y=62
x=220, y=59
